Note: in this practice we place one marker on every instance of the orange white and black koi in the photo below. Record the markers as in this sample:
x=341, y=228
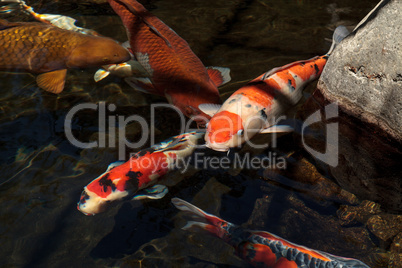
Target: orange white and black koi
x=254, y=107
x=63, y=22
x=174, y=70
x=133, y=179
x=263, y=249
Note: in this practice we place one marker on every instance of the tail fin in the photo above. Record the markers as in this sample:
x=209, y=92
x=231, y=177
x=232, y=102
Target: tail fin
x=339, y=34
x=201, y=219
x=11, y=6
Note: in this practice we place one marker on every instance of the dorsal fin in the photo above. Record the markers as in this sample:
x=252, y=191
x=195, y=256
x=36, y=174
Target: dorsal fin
x=277, y=69
x=135, y=12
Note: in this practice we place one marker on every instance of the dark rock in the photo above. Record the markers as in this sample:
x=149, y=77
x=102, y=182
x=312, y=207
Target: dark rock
x=304, y=177
x=395, y=260
x=396, y=246
x=362, y=76
x=358, y=214
x=385, y=226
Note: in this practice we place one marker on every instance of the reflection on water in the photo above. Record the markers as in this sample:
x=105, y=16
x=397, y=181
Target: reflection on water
x=43, y=174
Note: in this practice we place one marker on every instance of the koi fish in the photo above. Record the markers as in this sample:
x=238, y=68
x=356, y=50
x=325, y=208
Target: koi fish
x=132, y=179
x=262, y=249
x=174, y=71
x=49, y=51
x=254, y=107
x=60, y=21
x=131, y=68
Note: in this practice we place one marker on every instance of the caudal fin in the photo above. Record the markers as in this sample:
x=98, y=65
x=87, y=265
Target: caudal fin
x=339, y=34
x=201, y=219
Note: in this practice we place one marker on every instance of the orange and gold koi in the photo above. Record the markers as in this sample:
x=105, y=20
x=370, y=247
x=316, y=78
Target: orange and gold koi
x=49, y=51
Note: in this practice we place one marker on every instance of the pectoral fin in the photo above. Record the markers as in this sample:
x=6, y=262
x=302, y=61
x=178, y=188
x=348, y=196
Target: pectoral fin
x=100, y=74
x=277, y=129
x=52, y=81
x=209, y=108
x=219, y=75
x=155, y=192
x=141, y=84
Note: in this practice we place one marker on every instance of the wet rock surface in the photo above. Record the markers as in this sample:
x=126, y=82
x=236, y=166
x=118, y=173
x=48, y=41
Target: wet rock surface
x=362, y=77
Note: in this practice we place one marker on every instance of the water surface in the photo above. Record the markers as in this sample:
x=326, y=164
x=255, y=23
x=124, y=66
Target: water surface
x=43, y=173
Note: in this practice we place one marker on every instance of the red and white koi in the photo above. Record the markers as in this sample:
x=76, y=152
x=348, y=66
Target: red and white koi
x=174, y=71
x=254, y=107
x=136, y=179
x=263, y=249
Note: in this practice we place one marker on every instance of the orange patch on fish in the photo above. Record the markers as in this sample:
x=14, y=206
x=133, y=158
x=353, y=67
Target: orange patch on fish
x=286, y=76
x=285, y=263
x=287, y=244
x=223, y=125
x=258, y=93
x=258, y=253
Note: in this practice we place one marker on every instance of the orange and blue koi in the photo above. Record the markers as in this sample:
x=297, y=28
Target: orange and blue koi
x=254, y=107
x=136, y=178
x=263, y=249
x=174, y=70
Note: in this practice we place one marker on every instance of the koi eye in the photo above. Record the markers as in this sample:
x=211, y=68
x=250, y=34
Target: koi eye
x=240, y=132
x=105, y=60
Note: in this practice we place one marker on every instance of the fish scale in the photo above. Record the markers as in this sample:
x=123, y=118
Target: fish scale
x=40, y=49
x=49, y=51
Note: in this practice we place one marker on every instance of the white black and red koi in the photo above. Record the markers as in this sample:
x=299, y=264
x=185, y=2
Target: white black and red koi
x=263, y=249
x=254, y=107
x=136, y=179
x=63, y=22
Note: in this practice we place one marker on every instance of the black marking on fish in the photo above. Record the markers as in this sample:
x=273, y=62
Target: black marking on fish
x=263, y=114
x=312, y=264
x=105, y=182
x=144, y=152
x=317, y=70
x=234, y=100
x=248, y=105
x=302, y=63
x=325, y=57
x=250, y=252
x=133, y=182
x=84, y=197
x=291, y=87
x=256, y=83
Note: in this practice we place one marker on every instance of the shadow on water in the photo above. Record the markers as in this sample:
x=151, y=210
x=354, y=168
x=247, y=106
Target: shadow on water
x=134, y=226
x=43, y=174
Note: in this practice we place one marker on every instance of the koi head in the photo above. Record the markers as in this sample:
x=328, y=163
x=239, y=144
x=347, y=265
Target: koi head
x=111, y=186
x=97, y=51
x=228, y=130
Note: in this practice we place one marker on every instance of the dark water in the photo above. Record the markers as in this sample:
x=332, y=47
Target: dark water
x=43, y=174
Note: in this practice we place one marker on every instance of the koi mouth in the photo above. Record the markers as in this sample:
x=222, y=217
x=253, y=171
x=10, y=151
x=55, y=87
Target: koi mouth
x=85, y=213
x=217, y=147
